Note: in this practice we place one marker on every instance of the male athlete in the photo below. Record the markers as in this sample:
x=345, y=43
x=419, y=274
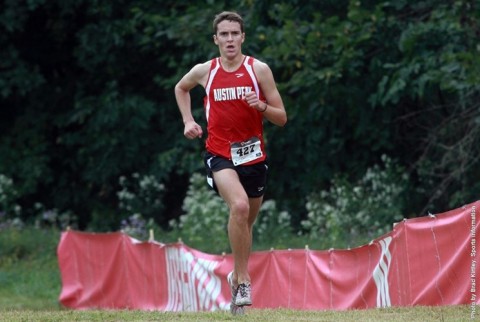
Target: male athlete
x=240, y=93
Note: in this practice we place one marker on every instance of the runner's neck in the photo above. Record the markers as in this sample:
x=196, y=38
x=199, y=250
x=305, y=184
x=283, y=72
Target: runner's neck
x=232, y=65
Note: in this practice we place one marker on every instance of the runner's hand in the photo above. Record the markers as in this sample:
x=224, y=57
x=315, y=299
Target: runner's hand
x=192, y=130
x=252, y=100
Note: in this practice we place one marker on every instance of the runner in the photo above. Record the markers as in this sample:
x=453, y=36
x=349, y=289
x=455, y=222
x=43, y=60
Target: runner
x=240, y=93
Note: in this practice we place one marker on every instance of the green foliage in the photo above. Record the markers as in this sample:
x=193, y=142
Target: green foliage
x=141, y=194
x=433, y=83
x=86, y=90
x=104, y=220
x=368, y=80
x=11, y=213
x=27, y=243
x=323, y=62
x=28, y=144
x=53, y=219
x=136, y=226
x=272, y=228
x=20, y=77
x=352, y=214
x=29, y=268
x=112, y=133
x=204, y=222
x=7, y=198
x=437, y=54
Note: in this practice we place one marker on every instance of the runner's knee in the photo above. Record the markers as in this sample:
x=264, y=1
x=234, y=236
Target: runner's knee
x=240, y=209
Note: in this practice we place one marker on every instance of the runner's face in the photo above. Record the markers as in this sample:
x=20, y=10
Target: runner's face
x=229, y=38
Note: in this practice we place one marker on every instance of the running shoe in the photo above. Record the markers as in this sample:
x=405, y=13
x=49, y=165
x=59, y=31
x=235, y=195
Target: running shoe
x=244, y=294
x=234, y=309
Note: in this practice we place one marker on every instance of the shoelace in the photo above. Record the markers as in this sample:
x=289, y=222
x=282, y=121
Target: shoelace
x=244, y=290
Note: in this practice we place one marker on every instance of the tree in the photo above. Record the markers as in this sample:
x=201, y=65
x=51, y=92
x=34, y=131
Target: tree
x=86, y=89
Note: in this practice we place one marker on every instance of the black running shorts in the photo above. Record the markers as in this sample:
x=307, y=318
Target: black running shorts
x=252, y=177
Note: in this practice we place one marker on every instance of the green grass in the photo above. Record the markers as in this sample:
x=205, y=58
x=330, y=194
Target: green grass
x=30, y=285
x=450, y=313
x=29, y=273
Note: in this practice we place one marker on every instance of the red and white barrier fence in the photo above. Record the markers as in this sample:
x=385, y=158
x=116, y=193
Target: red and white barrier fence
x=423, y=261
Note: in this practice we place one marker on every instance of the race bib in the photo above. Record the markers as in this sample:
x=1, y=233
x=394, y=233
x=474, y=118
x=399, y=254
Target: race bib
x=246, y=151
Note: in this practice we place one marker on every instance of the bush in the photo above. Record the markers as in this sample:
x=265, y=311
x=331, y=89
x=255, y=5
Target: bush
x=204, y=224
x=136, y=226
x=272, y=228
x=9, y=210
x=141, y=194
x=139, y=203
x=348, y=214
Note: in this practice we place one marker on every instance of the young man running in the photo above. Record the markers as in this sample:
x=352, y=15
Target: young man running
x=240, y=93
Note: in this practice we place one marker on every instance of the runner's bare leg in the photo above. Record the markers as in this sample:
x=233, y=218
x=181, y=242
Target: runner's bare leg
x=255, y=204
x=243, y=212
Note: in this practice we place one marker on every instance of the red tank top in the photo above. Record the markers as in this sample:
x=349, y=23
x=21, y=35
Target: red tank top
x=229, y=118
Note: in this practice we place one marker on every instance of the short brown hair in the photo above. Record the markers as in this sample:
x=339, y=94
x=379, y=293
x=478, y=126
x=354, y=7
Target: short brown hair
x=227, y=15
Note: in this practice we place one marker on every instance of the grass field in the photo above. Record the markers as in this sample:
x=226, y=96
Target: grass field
x=450, y=313
x=30, y=285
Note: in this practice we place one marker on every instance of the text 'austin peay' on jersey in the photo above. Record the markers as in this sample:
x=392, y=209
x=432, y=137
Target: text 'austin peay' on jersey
x=231, y=121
